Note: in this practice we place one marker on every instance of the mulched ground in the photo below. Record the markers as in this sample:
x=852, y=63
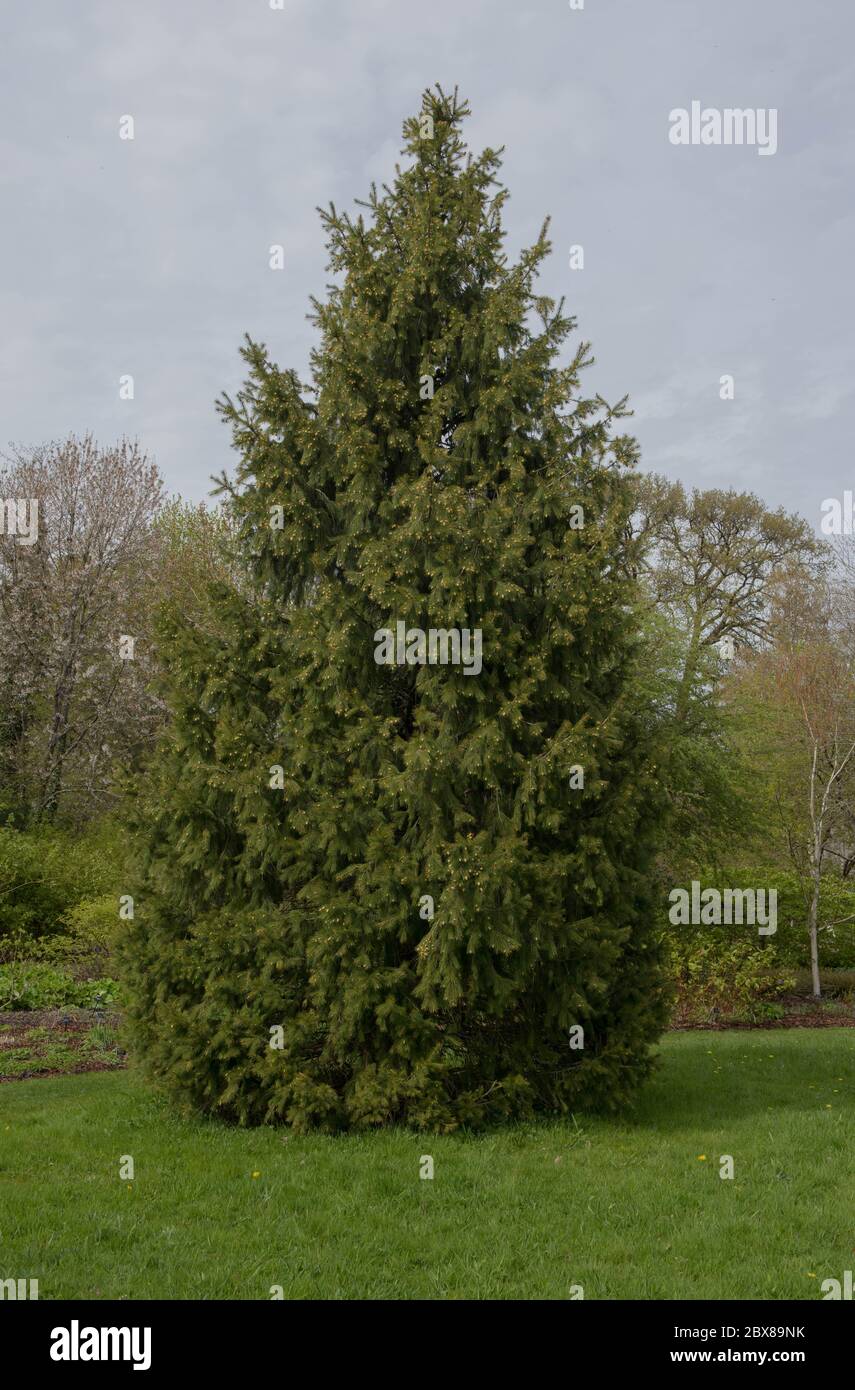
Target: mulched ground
x=800, y=1012
x=69, y=1028
x=20, y=1020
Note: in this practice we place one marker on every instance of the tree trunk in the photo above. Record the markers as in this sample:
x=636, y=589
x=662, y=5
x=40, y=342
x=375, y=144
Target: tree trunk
x=57, y=742
x=684, y=690
x=812, y=928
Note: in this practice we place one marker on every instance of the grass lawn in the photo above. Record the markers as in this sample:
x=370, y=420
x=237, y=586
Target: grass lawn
x=627, y=1209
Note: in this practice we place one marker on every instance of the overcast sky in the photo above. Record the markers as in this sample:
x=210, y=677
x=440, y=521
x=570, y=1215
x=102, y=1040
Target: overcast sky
x=150, y=256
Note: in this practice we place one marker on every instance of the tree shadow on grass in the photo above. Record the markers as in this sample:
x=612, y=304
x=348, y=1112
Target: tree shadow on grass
x=731, y=1076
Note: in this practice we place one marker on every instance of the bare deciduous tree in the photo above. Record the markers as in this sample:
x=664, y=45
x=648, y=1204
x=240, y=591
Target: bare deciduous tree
x=710, y=559
x=72, y=702
x=802, y=690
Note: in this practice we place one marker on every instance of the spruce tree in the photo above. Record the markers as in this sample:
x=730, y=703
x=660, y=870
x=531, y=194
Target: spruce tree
x=376, y=890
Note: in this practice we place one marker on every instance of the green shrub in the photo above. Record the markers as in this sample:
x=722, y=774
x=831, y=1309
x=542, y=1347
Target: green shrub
x=91, y=925
x=38, y=985
x=759, y=1010
x=31, y=901
x=46, y=873
x=18, y=946
x=94, y=921
x=95, y=994
x=717, y=976
x=791, y=941
x=837, y=900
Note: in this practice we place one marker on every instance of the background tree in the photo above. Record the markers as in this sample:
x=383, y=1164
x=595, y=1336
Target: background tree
x=711, y=564
x=71, y=707
x=709, y=560
x=194, y=550
x=800, y=692
x=709, y=784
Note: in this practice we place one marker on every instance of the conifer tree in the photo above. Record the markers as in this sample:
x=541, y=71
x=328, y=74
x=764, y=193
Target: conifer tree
x=375, y=885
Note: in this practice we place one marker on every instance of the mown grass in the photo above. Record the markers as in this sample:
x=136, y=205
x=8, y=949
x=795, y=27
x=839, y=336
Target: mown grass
x=627, y=1209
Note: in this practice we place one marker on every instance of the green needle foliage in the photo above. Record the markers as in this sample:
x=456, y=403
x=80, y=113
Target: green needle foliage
x=429, y=901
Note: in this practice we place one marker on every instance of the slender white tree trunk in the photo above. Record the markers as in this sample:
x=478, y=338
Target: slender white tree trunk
x=813, y=913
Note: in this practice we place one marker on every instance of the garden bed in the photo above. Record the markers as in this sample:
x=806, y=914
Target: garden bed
x=797, y=1011
x=56, y=1042
x=65, y=1041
